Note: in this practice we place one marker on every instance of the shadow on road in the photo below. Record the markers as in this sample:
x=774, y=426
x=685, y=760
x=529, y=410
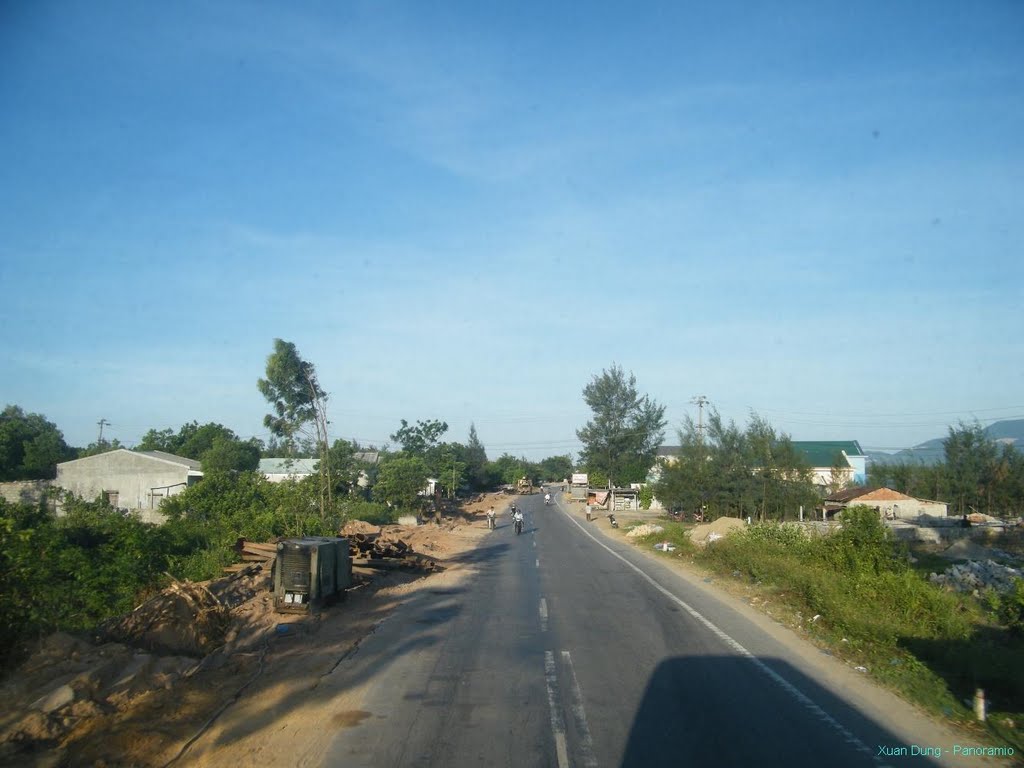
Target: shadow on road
x=727, y=711
x=428, y=611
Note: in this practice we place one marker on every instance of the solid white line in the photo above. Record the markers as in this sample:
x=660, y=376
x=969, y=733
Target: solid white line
x=543, y=615
x=557, y=722
x=579, y=715
x=787, y=686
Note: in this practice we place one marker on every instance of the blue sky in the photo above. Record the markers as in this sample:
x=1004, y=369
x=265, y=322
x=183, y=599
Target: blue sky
x=466, y=210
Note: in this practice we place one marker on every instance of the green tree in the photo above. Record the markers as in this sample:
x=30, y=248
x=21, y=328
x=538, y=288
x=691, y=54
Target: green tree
x=970, y=462
x=450, y=470
x=161, y=440
x=556, y=468
x=216, y=446
x=231, y=455
x=838, y=475
x=346, y=467
x=30, y=446
x=420, y=438
x=100, y=446
x=736, y=472
x=475, y=458
x=622, y=438
x=292, y=389
x=507, y=469
x=400, y=481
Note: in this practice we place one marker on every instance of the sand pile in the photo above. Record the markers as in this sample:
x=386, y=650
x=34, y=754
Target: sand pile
x=644, y=530
x=723, y=526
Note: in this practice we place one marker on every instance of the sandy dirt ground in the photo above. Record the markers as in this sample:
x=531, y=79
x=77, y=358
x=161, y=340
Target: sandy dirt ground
x=80, y=702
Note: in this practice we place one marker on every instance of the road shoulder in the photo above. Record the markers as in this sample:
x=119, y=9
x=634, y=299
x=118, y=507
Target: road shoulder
x=875, y=701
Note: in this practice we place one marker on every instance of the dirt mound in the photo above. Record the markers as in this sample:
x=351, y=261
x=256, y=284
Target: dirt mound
x=358, y=526
x=91, y=701
x=723, y=526
x=184, y=619
x=965, y=549
x=70, y=682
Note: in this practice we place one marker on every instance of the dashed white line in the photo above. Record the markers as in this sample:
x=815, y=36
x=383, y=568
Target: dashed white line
x=537, y=562
x=543, y=615
x=557, y=721
x=579, y=716
x=787, y=686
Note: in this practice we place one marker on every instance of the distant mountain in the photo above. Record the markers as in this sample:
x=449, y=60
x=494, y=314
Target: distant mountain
x=1008, y=431
x=934, y=452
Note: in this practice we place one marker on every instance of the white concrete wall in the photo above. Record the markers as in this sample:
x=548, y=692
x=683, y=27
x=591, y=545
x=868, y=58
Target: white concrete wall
x=280, y=478
x=141, y=482
x=904, y=509
x=24, y=491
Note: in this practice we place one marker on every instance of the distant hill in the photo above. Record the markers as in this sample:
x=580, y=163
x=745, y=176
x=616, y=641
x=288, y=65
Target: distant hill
x=932, y=451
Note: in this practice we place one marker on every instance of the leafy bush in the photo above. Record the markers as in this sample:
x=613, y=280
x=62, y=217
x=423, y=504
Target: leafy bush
x=1010, y=609
x=864, y=545
x=371, y=512
x=646, y=496
x=70, y=573
x=774, y=533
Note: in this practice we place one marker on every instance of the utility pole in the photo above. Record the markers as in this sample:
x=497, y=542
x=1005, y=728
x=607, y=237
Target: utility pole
x=700, y=401
x=102, y=423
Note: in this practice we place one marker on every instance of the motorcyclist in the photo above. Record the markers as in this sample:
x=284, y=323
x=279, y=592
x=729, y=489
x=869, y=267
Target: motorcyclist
x=490, y=518
x=517, y=520
x=547, y=498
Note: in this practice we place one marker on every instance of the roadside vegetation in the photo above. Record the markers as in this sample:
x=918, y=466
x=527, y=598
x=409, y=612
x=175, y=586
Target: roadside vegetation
x=856, y=593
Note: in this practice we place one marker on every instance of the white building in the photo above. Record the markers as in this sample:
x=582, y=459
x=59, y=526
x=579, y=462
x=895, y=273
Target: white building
x=137, y=481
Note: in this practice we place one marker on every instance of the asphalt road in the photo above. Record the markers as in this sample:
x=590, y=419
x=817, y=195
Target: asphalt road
x=570, y=651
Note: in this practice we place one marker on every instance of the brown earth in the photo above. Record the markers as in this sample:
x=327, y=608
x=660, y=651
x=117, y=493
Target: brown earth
x=723, y=526
x=150, y=683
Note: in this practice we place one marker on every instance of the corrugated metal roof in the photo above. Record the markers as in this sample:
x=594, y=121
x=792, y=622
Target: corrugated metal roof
x=288, y=466
x=190, y=463
x=825, y=453
x=99, y=458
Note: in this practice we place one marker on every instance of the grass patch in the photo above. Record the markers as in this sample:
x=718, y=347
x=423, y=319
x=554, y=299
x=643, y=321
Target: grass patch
x=675, y=534
x=877, y=610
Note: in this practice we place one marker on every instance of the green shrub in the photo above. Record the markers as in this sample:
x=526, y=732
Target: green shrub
x=646, y=496
x=864, y=545
x=371, y=512
x=72, y=572
x=773, y=533
x=1010, y=609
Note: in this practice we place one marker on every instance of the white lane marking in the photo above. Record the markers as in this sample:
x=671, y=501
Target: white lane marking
x=537, y=562
x=787, y=686
x=579, y=715
x=557, y=721
x=543, y=615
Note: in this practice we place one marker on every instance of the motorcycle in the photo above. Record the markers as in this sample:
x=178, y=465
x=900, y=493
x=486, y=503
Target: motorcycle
x=612, y=520
x=519, y=527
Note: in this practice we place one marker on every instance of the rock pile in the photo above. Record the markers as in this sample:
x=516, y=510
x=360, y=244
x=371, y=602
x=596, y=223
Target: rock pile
x=976, y=575
x=644, y=530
